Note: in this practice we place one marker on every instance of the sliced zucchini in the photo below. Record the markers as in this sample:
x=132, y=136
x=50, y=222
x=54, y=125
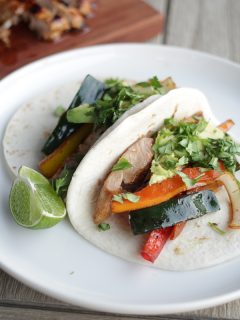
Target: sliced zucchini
x=90, y=91
x=167, y=214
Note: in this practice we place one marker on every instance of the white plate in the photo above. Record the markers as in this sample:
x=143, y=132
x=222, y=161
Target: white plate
x=58, y=262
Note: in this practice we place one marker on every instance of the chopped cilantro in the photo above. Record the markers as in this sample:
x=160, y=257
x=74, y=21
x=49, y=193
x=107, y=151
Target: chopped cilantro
x=127, y=196
x=82, y=114
x=112, y=82
x=119, y=97
x=103, y=226
x=182, y=161
x=188, y=142
x=214, y=163
x=118, y=198
x=201, y=125
x=59, y=110
x=189, y=182
x=155, y=83
x=131, y=197
x=61, y=183
x=215, y=227
x=184, y=142
x=122, y=164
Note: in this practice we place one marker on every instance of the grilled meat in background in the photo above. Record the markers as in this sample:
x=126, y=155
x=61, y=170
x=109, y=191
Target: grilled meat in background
x=49, y=19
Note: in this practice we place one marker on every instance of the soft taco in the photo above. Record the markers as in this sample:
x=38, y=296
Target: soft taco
x=161, y=185
x=36, y=138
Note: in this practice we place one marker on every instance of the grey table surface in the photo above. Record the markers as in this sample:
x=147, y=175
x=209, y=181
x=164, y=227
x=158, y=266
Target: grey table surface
x=207, y=25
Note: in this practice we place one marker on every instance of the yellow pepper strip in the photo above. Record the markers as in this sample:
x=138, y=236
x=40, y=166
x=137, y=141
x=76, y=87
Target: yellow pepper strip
x=49, y=165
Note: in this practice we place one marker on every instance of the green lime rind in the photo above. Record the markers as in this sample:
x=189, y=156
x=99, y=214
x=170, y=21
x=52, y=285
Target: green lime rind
x=33, y=202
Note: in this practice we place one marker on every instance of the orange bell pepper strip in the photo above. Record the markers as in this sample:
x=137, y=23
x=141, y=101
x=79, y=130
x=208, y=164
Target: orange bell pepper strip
x=155, y=243
x=163, y=191
x=54, y=161
x=226, y=125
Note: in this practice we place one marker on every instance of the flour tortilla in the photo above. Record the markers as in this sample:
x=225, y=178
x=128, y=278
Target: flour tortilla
x=198, y=246
x=33, y=122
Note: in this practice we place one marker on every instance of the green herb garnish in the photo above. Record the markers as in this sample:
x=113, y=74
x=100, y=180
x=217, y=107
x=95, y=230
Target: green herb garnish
x=118, y=198
x=215, y=227
x=82, y=114
x=214, y=163
x=127, y=196
x=61, y=183
x=131, y=197
x=59, y=111
x=103, y=226
x=120, y=97
x=192, y=143
x=122, y=164
x=182, y=161
x=189, y=182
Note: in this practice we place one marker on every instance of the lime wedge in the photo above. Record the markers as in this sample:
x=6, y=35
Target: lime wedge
x=33, y=202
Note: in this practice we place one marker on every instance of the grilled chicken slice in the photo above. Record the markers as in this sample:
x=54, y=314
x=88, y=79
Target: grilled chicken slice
x=85, y=7
x=46, y=22
x=140, y=156
x=10, y=15
x=73, y=16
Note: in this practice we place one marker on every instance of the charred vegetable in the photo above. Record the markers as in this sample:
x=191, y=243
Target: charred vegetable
x=171, y=212
x=90, y=91
x=54, y=161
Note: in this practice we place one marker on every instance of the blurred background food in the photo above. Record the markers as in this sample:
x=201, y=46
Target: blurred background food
x=33, y=29
x=48, y=19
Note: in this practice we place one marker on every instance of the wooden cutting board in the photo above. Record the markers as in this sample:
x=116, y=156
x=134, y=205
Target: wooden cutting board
x=114, y=21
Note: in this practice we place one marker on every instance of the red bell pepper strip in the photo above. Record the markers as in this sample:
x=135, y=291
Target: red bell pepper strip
x=177, y=229
x=159, y=237
x=155, y=243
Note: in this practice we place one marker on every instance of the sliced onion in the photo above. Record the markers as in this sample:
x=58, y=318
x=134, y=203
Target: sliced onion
x=213, y=186
x=233, y=190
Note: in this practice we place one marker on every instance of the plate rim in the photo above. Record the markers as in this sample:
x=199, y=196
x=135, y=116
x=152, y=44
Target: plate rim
x=102, y=305
x=60, y=55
